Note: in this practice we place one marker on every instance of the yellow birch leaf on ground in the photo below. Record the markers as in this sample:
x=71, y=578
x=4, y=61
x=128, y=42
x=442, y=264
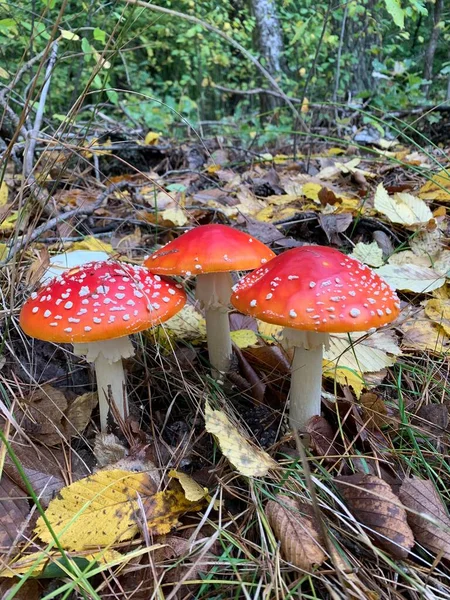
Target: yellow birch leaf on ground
x=335, y=151
x=369, y=254
x=246, y=458
x=282, y=199
x=92, y=243
x=3, y=193
x=266, y=214
x=243, y=338
x=402, y=208
x=42, y=560
x=105, y=508
x=311, y=191
x=176, y=216
x=192, y=490
x=439, y=312
x=3, y=251
x=270, y=332
x=188, y=325
x=360, y=353
x=419, y=333
x=411, y=277
x=152, y=138
x=437, y=188
x=345, y=376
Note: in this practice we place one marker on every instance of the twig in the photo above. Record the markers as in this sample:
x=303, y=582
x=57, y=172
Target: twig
x=32, y=136
x=25, y=67
x=79, y=211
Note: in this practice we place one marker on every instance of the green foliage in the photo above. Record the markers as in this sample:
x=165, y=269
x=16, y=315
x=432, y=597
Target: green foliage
x=157, y=69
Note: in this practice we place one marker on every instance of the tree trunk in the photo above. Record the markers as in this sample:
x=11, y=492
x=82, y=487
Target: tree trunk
x=270, y=43
x=432, y=45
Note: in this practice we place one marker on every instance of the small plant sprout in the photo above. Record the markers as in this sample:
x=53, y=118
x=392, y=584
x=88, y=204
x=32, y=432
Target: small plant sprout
x=314, y=291
x=96, y=307
x=211, y=252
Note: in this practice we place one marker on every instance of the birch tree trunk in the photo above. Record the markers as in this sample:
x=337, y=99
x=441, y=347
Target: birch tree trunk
x=270, y=43
x=432, y=44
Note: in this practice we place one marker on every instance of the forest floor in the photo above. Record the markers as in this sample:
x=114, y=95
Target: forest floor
x=203, y=492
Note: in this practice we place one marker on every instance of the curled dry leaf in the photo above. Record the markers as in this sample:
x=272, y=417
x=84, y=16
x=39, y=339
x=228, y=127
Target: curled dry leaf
x=293, y=524
x=374, y=411
x=424, y=503
x=323, y=439
x=374, y=504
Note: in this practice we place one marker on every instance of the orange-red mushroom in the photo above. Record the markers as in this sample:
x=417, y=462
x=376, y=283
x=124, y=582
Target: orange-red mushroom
x=314, y=291
x=96, y=307
x=211, y=252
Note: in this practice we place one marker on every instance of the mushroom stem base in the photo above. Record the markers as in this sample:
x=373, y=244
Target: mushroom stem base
x=306, y=386
x=219, y=341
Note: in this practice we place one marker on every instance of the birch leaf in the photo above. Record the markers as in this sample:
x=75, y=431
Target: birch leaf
x=402, y=208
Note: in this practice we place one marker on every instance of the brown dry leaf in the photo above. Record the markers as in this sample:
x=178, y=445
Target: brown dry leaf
x=323, y=439
x=293, y=524
x=374, y=410
x=244, y=456
x=108, y=449
x=30, y=590
x=424, y=502
x=105, y=508
x=79, y=412
x=374, y=504
x=42, y=415
x=14, y=509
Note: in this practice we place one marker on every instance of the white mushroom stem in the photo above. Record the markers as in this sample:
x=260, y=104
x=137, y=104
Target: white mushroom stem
x=214, y=292
x=306, y=375
x=107, y=358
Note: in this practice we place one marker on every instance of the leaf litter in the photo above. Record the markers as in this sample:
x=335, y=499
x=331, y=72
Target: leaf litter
x=159, y=473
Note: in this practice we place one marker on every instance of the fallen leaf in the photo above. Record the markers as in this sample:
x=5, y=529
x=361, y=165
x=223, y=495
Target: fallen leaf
x=188, y=324
x=104, y=509
x=173, y=217
x=373, y=503
x=335, y=224
x=243, y=338
x=419, y=333
x=427, y=515
x=437, y=188
x=439, y=312
x=402, y=207
x=192, y=490
x=79, y=412
x=29, y=590
x=92, y=243
x=374, y=411
x=294, y=525
x=244, y=456
x=42, y=415
x=369, y=254
x=323, y=439
x=152, y=138
x=14, y=510
x=410, y=277
x=4, y=191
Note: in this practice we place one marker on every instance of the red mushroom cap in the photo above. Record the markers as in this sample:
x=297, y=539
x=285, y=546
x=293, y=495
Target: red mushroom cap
x=100, y=301
x=317, y=289
x=209, y=249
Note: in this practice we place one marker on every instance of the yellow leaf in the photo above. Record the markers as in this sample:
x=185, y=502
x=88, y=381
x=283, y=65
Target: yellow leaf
x=92, y=243
x=369, y=254
x=152, y=138
x=345, y=376
x=419, y=333
x=271, y=333
x=192, y=490
x=175, y=215
x=311, y=191
x=9, y=222
x=439, y=312
x=211, y=169
x=246, y=458
x=3, y=193
x=188, y=324
x=3, y=251
x=266, y=214
x=305, y=106
x=402, y=208
x=40, y=561
x=282, y=199
x=105, y=508
x=335, y=151
x=69, y=35
x=360, y=353
x=243, y=338
x=4, y=74
x=437, y=188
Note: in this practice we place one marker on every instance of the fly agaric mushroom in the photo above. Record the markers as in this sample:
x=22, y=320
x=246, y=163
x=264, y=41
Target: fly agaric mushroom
x=314, y=291
x=211, y=252
x=96, y=307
